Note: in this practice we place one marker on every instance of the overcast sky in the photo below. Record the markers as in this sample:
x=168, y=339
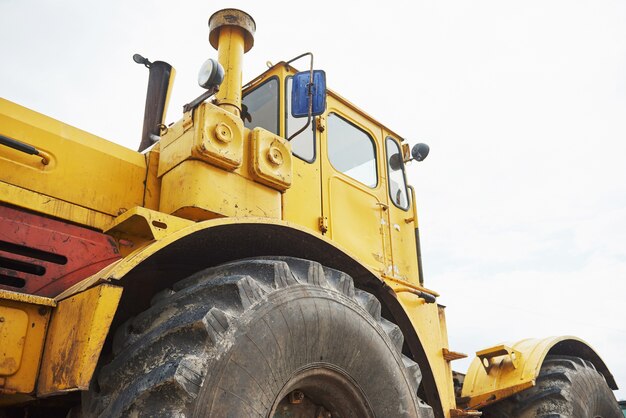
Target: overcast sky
x=522, y=200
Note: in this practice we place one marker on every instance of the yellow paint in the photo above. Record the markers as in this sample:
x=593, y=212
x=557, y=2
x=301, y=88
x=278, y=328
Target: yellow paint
x=51, y=206
x=22, y=333
x=402, y=224
x=152, y=192
x=198, y=191
x=506, y=370
x=357, y=214
x=271, y=159
x=13, y=328
x=26, y=298
x=230, y=55
x=76, y=334
x=212, y=135
x=398, y=285
x=302, y=202
x=119, y=269
x=139, y=225
x=428, y=319
x=84, y=170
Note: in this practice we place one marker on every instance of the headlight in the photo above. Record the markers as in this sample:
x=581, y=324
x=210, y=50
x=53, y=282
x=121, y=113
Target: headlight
x=211, y=74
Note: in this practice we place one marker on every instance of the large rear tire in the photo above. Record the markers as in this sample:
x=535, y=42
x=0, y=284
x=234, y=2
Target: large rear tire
x=267, y=337
x=567, y=387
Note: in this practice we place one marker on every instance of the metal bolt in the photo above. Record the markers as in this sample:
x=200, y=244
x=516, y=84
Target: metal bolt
x=296, y=397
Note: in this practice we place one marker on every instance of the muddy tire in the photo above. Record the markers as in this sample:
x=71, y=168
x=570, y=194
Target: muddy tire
x=268, y=337
x=567, y=387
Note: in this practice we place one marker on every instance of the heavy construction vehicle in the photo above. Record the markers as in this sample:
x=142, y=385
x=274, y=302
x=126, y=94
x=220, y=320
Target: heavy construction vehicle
x=258, y=258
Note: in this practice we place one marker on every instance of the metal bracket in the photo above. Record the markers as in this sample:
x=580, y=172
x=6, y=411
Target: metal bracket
x=488, y=355
x=323, y=224
x=187, y=120
x=452, y=355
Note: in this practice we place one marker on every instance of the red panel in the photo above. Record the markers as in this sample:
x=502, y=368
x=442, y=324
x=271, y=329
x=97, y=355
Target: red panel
x=42, y=256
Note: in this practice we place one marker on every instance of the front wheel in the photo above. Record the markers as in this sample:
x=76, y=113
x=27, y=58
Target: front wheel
x=567, y=387
x=271, y=337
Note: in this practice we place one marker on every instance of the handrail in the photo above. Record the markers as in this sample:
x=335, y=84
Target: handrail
x=25, y=148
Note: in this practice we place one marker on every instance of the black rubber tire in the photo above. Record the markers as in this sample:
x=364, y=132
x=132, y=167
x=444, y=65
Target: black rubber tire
x=226, y=341
x=567, y=387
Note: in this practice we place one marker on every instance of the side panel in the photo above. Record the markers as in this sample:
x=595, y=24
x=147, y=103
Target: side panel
x=75, y=338
x=23, y=322
x=84, y=170
x=428, y=319
x=302, y=203
x=42, y=256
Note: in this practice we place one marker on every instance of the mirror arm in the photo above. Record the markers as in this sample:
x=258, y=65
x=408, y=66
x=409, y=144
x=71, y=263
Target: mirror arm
x=308, y=122
x=310, y=94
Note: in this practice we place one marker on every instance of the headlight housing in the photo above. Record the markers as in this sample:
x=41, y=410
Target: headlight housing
x=211, y=74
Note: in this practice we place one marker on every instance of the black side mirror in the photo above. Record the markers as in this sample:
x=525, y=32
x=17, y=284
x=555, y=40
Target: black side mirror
x=395, y=162
x=420, y=151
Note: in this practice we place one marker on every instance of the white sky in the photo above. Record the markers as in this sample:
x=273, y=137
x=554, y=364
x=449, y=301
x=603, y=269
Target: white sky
x=523, y=198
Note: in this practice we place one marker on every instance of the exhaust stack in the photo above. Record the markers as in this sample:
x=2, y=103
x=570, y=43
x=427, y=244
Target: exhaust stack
x=231, y=32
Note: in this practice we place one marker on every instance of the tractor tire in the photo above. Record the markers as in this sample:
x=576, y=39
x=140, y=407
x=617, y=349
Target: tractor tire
x=567, y=387
x=267, y=337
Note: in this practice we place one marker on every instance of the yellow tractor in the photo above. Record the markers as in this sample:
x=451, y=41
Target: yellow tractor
x=260, y=257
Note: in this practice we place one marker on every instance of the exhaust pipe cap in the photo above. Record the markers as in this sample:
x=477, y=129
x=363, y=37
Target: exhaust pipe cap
x=232, y=17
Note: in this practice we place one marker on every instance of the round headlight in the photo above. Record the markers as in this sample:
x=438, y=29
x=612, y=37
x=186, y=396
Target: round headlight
x=211, y=74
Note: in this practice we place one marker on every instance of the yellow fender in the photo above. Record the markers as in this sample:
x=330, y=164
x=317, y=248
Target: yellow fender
x=162, y=249
x=506, y=369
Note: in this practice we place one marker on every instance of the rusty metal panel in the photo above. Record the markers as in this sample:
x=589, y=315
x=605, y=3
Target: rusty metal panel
x=77, y=332
x=42, y=256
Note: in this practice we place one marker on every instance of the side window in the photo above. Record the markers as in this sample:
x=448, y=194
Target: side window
x=261, y=105
x=395, y=166
x=351, y=150
x=303, y=145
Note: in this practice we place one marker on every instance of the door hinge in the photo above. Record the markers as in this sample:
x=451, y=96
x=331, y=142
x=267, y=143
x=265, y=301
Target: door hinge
x=321, y=123
x=323, y=224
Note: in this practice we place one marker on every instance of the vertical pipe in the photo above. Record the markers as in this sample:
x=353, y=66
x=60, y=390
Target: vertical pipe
x=230, y=55
x=160, y=82
x=231, y=32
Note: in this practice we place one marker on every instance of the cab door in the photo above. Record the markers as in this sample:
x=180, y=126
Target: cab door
x=402, y=214
x=354, y=201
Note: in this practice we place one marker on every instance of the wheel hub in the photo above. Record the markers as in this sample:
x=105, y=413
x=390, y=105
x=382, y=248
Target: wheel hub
x=321, y=392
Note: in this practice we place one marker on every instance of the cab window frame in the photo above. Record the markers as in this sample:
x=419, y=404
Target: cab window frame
x=278, y=95
x=391, y=139
x=372, y=143
x=312, y=127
